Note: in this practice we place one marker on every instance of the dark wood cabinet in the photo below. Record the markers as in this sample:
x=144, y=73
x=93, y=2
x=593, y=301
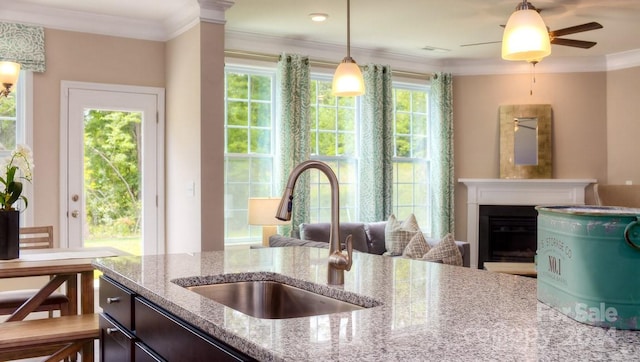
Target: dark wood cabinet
x=135, y=329
x=116, y=343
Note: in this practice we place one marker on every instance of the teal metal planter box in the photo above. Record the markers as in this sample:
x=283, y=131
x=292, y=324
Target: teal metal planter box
x=588, y=263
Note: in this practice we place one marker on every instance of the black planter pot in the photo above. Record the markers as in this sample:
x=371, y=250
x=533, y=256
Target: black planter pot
x=9, y=234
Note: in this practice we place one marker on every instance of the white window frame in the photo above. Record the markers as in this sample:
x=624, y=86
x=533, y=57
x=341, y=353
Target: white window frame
x=325, y=210
x=425, y=226
x=275, y=141
x=23, y=93
x=255, y=234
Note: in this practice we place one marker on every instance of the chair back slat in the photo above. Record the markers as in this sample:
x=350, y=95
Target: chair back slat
x=36, y=237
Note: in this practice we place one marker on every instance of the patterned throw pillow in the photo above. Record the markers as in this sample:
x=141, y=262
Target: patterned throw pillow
x=398, y=234
x=417, y=247
x=446, y=252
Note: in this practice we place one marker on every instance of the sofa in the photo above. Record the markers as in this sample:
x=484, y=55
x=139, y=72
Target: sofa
x=366, y=238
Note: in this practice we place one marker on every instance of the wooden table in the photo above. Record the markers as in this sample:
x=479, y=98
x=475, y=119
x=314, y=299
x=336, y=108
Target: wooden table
x=525, y=269
x=64, y=266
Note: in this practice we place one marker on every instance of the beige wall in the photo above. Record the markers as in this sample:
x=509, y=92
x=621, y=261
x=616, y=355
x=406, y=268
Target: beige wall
x=183, y=141
x=195, y=139
x=623, y=126
x=73, y=56
x=579, y=126
x=212, y=136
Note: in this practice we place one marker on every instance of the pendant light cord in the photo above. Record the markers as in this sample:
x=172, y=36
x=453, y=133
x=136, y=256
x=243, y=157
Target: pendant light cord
x=349, y=29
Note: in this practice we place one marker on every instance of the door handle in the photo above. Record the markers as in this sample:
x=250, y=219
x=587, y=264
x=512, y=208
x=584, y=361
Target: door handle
x=75, y=213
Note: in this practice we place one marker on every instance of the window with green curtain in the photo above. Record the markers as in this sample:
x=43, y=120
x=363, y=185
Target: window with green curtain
x=250, y=157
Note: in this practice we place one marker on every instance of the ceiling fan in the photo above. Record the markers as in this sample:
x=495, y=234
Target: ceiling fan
x=554, y=36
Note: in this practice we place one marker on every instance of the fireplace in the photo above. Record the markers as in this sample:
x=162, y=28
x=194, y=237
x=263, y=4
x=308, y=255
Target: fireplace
x=507, y=233
x=516, y=192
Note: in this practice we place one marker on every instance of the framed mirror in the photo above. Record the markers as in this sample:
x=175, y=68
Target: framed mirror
x=525, y=141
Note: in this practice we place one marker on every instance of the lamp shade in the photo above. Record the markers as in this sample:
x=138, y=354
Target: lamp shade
x=347, y=80
x=262, y=211
x=525, y=37
x=9, y=72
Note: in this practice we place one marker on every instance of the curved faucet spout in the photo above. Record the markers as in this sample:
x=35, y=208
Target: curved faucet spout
x=338, y=262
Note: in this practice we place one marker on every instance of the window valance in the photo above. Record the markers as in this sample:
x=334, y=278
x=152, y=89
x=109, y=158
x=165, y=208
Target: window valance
x=23, y=44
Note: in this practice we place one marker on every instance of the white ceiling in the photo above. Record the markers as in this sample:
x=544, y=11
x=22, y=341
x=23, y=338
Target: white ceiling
x=391, y=27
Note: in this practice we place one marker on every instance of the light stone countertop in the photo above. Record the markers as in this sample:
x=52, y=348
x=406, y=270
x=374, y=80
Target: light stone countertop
x=429, y=311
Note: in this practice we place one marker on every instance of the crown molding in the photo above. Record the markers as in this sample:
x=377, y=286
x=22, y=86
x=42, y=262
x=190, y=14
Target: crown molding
x=81, y=21
x=547, y=65
x=329, y=52
x=623, y=60
x=212, y=11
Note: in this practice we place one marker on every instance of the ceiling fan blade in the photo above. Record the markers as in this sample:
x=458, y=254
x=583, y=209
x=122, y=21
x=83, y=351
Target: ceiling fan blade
x=575, y=29
x=573, y=43
x=484, y=43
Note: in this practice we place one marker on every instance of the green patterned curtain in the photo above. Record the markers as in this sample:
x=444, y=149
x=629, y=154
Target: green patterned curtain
x=376, y=145
x=23, y=44
x=442, y=177
x=294, y=128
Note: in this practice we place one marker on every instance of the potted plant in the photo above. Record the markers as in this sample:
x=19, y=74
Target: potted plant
x=14, y=168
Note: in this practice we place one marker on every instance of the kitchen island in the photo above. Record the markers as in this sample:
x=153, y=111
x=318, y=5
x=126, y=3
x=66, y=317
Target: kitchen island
x=426, y=311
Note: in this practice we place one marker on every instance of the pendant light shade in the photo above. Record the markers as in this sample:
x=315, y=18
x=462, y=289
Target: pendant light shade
x=526, y=36
x=9, y=72
x=347, y=80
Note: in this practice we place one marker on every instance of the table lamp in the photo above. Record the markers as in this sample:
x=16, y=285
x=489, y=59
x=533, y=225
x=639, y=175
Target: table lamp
x=262, y=211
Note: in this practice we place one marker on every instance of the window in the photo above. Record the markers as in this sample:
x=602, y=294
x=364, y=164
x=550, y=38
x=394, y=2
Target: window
x=411, y=158
x=12, y=119
x=249, y=142
x=15, y=129
x=333, y=141
x=250, y=155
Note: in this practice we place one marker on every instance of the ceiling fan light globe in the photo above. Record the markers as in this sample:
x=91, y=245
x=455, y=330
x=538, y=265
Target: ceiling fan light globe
x=525, y=37
x=348, y=80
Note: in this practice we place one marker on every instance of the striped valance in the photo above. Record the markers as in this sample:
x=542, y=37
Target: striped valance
x=23, y=44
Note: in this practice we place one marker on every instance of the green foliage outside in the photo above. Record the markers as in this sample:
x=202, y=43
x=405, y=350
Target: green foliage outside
x=7, y=123
x=112, y=173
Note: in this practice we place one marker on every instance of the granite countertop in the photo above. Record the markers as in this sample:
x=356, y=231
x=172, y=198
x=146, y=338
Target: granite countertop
x=428, y=311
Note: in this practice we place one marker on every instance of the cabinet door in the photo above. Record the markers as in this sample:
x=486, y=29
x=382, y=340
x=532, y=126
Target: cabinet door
x=142, y=353
x=117, y=302
x=175, y=340
x=115, y=343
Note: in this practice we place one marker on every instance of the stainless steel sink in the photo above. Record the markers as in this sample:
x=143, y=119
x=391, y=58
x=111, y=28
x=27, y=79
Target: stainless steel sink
x=272, y=300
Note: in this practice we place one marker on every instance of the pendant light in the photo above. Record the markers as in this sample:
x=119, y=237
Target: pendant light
x=526, y=36
x=347, y=80
x=9, y=72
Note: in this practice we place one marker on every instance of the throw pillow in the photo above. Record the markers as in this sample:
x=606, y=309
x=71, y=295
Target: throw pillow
x=417, y=247
x=446, y=251
x=398, y=234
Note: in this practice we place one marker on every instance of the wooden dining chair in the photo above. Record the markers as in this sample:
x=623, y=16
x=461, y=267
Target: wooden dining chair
x=36, y=237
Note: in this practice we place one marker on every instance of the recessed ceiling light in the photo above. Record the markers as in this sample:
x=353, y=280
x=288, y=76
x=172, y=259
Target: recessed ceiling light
x=318, y=17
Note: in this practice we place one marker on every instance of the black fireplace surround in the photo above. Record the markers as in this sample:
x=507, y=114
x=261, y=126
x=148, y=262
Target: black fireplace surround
x=507, y=233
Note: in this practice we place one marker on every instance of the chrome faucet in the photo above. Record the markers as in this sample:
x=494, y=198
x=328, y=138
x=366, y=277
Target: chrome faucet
x=338, y=262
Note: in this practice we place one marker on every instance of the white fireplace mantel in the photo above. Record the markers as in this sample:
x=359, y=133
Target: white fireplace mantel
x=517, y=192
